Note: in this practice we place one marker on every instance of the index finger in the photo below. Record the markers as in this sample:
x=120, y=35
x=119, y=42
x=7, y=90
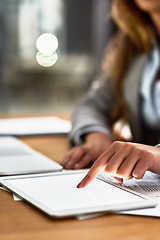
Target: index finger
x=98, y=165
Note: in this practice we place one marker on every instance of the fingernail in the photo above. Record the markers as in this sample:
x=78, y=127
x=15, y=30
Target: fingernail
x=81, y=184
x=63, y=162
x=66, y=165
x=76, y=166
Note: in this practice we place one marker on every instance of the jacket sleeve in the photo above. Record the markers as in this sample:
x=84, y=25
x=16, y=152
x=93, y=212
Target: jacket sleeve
x=92, y=113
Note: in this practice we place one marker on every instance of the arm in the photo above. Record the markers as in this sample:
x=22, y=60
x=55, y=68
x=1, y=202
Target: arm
x=93, y=110
x=90, y=128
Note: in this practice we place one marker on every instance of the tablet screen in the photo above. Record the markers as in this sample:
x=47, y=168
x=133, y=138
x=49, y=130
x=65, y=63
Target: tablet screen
x=58, y=193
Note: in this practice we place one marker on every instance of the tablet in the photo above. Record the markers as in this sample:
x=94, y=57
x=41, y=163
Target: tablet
x=17, y=157
x=56, y=194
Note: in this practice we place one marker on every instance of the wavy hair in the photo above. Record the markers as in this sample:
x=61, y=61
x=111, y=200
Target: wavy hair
x=133, y=37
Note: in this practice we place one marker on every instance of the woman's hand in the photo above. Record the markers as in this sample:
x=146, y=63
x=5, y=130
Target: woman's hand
x=82, y=156
x=125, y=160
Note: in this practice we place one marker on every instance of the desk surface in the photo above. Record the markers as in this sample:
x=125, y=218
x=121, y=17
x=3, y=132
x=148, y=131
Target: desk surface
x=20, y=221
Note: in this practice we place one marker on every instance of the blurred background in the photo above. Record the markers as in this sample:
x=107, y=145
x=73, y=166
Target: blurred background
x=82, y=28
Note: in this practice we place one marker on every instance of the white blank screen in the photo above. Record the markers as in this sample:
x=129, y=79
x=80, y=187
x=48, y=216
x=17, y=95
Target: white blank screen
x=59, y=192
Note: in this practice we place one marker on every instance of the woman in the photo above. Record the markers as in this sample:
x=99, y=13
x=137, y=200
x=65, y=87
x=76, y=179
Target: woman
x=129, y=93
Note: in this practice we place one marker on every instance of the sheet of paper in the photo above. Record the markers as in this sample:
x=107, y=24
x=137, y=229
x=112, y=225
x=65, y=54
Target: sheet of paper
x=148, y=186
x=15, y=197
x=34, y=126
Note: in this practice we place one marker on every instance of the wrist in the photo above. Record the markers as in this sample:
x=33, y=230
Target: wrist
x=98, y=139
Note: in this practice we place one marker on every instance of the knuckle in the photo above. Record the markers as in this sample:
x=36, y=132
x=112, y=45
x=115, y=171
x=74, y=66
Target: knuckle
x=127, y=146
x=109, y=170
x=123, y=145
x=137, y=175
x=80, y=149
x=137, y=151
x=117, y=143
x=79, y=152
x=96, y=164
x=123, y=174
x=75, y=148
x=148, y=154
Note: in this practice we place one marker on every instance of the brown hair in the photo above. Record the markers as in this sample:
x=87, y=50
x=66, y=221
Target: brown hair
x=133, y=38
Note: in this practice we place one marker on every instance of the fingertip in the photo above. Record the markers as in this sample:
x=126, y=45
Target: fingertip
x=118, y=180
x=68, y=166
x=64, y=165
x=76, y=166
x=85, y=181
x=63, y=162
x=81, y=184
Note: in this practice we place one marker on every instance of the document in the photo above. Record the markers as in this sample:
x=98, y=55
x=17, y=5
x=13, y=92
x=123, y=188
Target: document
x=149, y=186
x=34, y=126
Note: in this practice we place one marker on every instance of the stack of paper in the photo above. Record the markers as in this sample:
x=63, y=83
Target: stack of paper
x=34, y=126
x=148, y=186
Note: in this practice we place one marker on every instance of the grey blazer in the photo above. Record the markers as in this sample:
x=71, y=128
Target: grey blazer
x=94, y=108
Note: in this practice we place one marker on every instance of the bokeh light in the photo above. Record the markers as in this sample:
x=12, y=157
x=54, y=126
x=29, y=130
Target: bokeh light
x=47, y=60
x=47, y=43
